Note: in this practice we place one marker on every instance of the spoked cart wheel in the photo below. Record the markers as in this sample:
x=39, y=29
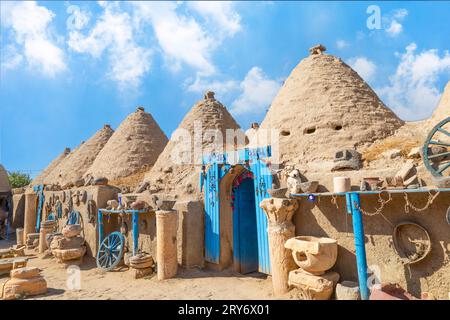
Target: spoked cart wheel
x=111, y=251
x=438, y=162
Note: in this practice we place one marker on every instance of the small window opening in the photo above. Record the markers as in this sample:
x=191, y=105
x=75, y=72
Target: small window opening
x=310, y=130
x=338, y=127
x=285, y=133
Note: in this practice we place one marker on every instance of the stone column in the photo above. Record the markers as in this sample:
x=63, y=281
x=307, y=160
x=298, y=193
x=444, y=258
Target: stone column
x=44, y=230
x=30, y=215
x=279, y=212
x=166, y=243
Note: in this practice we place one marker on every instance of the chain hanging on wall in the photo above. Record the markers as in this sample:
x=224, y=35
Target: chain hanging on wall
x=409, y=205
x=378, y=210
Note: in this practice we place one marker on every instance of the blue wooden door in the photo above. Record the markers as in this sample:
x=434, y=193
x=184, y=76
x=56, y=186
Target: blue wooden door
x=245, y=240
x=212, y=208
x=262, y=181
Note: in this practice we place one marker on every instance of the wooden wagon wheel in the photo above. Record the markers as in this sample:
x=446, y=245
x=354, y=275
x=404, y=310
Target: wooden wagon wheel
x=111, y=251
x=439, y=136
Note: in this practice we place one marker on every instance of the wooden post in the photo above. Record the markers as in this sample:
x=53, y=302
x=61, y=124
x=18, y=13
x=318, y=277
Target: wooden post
x=279, y=212
x=166, y=243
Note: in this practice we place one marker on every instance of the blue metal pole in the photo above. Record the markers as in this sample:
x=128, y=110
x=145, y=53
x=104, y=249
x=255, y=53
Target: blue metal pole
x=348, y=201
x=135, y=232
x=358, y=231
x=100, y=228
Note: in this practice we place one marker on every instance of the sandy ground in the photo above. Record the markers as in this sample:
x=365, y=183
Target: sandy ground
x=189, y=284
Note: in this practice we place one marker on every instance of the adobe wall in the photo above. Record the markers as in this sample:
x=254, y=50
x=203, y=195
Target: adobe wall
x=99, y=194
x=432, y=274
x=147, y=233
x=18, y=207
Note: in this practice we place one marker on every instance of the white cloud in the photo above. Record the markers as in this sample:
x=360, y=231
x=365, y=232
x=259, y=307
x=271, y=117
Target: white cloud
x=257, y=93
x=221, y=88
x=413, y=91
x=29, y=25
x=182, y=38
x=365, y=67
x=218, y=13
x=392, y=21
x=341, y=44
x=113, y=32
x=11, y=58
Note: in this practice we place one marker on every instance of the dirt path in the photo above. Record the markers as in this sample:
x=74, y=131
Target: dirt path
x=189, y=284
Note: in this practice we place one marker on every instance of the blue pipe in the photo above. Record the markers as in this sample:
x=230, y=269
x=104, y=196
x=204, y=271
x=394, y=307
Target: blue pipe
x=358, y=231
x=100, y=227
x=135, y=232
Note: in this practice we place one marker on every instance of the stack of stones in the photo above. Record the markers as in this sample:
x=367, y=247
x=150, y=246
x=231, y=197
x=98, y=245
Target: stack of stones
x=24, y=282
x=69, y=247
x=142, y=264
x=315, y=256
x=32, y=240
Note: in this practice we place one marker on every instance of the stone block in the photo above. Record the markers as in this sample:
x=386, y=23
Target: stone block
x=190, y=233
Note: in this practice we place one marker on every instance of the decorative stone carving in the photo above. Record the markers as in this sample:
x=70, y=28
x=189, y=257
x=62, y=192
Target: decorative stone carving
x=347, y=159
x=279, y=213
x=24, y=282
x=313, y=287
x=312, y=254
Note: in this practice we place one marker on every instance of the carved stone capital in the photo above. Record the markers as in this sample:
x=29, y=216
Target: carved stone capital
x=279, y=211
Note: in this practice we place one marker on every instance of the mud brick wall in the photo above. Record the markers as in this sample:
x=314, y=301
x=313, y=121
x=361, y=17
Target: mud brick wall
x=432, y=274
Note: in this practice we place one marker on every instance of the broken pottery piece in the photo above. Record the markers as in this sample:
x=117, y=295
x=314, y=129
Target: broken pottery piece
x=313, y=254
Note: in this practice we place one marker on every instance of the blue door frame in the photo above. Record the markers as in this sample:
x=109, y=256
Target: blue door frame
x=216, y=167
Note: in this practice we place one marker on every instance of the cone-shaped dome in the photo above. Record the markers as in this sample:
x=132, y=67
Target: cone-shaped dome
x=136, y=144
x=4, y=181
x=323, y=106
x=177, y=169
x=74, y=166
x=55, y=163
x=443, y=109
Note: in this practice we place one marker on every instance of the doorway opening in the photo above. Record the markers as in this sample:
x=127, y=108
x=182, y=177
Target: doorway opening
x=245, y=238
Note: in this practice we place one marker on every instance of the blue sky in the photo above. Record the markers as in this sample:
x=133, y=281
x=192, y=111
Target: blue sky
x=69, y=67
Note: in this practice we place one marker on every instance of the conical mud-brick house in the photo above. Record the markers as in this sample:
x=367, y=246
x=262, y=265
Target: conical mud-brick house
x=135, y=145
x=74, y=166
x=203, y=130
x=54, y=164
x=324, y=106
x=443, y=109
